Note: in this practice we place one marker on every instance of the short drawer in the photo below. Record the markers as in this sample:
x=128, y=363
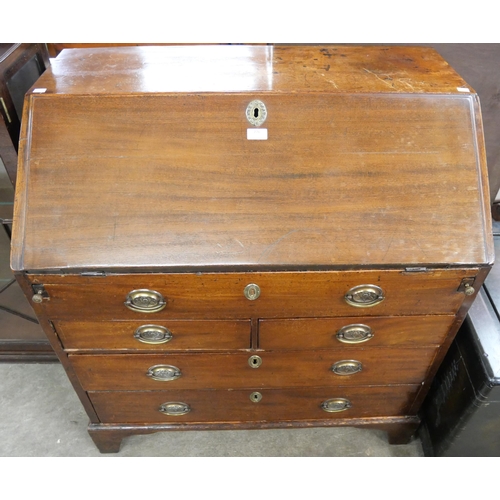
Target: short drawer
x=132, y=372
x=155, y=335
x=271, y=295
x=327, y=333
x=253, y=405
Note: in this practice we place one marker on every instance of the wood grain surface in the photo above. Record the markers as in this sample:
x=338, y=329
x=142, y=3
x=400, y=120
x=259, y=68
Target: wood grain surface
x=170, y=180
x=283, y=295
x=236, y=406
x=232, y=370
x=320, y=333
x=250, y=68
x=186, y=335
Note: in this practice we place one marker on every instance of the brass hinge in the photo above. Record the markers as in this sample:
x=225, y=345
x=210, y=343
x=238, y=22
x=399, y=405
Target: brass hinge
x=416, y=269
x=39, y=293
x=466, y=286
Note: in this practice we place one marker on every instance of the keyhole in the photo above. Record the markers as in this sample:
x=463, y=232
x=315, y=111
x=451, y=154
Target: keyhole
x=255, y=397
x=254, y=361
x=256, y=112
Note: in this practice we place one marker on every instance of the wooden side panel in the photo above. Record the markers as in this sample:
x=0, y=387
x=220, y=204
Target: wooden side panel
x=236, y=406
x=232, y=371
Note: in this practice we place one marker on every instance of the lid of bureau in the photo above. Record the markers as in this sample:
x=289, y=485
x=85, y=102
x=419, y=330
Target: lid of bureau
x=140, y=158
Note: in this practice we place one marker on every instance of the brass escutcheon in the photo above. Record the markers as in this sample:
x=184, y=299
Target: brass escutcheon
x=163, y=373
x=256, y=113
x=254, y=361
x=153, y=334
x=335, y=405
x=364, y=296
x=252, y=291
x=347, y=367
x=146, y=301
x=255, y=397
x=174, y=408
x=354, y=334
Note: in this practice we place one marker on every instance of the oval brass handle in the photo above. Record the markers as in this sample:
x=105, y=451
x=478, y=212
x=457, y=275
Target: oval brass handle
x=252, y=291
x=364, y=296
x=153, y=334
x=254, y=361
x=163, y=373
x=147, y=301
x=354, y=334
x=174, y=408
x=335, y=405
x=347, y=367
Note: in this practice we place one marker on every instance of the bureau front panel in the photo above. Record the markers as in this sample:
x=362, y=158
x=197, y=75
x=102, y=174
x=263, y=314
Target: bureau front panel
x=327, y=333
x=172, y=181
x=154, y=335
x=261, y=369
x=252, y=405
x=245, y=295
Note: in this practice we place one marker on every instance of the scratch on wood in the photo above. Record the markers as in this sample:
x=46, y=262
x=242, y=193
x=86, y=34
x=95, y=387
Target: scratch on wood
x=403, y=80
x=268, y=250
x=333, y=83
x=240, y=243
x=376, y=76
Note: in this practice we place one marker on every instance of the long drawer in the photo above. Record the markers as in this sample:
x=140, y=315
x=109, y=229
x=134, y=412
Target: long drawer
x=377, y=366
x=247, y=406
x=158, y=335
x=282, y=295
x=327, y=333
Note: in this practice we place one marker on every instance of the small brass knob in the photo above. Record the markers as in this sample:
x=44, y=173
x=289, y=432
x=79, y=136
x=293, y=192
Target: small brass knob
x=469, y=289
x=37, y=298
x=252, y=291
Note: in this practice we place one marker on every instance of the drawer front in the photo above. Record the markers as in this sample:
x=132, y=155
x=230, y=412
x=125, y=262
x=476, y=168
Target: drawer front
x=281, y=295
x=154, y=335
x=241, y=405
x=277, y=369
x=370, y=331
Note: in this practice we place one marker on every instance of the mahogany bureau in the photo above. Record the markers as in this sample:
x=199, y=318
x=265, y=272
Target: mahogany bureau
x=229, y=237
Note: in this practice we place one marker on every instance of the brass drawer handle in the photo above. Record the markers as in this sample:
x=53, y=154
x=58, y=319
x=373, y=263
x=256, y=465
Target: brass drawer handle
x=174, y=408
x=354, y=334
x=347, y=367
x=147, y=301
x=163, y=373
x=254, y=361
x=364, y=296
x=252, y=291
x=153, y=334
x=335, y=405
